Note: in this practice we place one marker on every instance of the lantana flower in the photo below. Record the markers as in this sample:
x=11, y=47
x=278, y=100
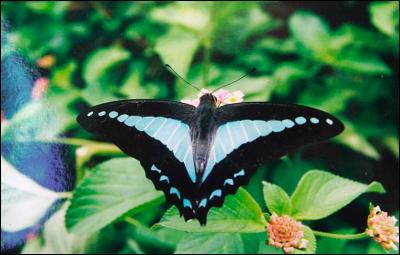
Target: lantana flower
x=383, y=228
x=223, y=97
x=285, y=233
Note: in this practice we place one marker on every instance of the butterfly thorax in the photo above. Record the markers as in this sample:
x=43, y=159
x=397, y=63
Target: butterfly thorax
x=202, y=131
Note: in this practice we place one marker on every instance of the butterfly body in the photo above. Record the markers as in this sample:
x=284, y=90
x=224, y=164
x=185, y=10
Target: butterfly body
x=202, y=133
x=198, y=155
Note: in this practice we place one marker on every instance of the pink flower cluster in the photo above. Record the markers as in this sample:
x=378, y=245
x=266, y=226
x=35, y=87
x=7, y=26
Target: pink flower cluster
x=286, y=233
x=383, y=228
x=223, y=97
x=39, y=88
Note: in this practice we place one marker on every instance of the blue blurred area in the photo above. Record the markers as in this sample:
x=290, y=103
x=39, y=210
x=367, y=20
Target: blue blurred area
x=45, y=163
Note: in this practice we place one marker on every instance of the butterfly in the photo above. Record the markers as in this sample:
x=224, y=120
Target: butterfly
x=198, y=155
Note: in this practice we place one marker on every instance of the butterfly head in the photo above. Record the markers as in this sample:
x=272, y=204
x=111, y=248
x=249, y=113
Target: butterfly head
x=209, y=99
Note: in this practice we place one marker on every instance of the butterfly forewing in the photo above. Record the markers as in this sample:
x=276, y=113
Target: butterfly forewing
x=157, y=134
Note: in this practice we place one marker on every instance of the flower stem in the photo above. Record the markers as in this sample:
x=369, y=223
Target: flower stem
x=342, y=236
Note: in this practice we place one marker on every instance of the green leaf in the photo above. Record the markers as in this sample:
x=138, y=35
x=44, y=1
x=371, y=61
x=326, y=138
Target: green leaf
x=101, y=84
x=220, y=243
x=191, y=15
x=133, y=87
x=163, y=240
x=112, y=189
x=319, y=194
x=385, y=17
x=392, y=143
x=309, y=30
x=276, y=199
x=357, y=142
x=240, y=213
x=177, y=49
x=360, y=62
x=99, y=61
x=229, y=34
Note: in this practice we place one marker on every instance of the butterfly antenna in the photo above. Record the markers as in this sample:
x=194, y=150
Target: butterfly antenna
x=223, y=86
x=177, y=75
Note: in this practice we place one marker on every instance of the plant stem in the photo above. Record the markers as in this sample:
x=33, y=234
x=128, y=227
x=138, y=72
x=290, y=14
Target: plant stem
x=207, y=60
x=342, y=236
x=132, y=221
x=72, y=141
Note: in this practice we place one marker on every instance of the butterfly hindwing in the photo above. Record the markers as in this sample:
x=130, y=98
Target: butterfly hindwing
x=157, y=134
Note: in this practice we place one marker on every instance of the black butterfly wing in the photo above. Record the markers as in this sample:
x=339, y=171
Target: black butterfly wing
x=251, y=134
x=157, y=134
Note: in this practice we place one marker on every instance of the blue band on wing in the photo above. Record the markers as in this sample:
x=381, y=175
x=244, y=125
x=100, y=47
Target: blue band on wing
x=232, y=135
x=174, y=134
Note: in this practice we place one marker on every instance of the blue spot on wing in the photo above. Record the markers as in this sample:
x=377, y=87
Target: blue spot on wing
x=174, y=190
x=314, y=120
x=203, y=202
x=122, y=117
x=154, y=168
x=228, y=181
x=164, y=178
x=113, y=114
x=186, y=203
x=300, y=120
x=240, y=173
x=216, y=193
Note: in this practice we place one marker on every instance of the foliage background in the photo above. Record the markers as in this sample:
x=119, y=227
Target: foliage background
x=341, y=57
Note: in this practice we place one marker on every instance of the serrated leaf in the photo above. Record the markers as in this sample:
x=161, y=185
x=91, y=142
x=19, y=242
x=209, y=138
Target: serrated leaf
x=240, y=213
x=23, y=201
x=220, y=243
x=319, y=194
x=112, y=189
x=276, y=199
